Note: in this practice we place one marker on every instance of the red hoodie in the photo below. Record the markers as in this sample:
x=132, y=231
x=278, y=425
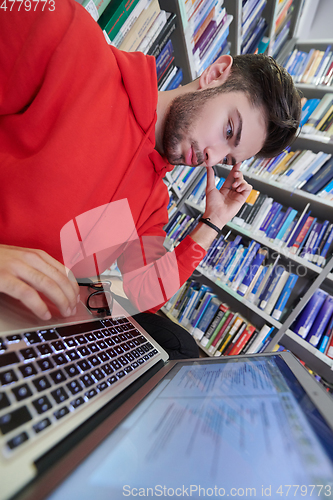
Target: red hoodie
x=77, y=131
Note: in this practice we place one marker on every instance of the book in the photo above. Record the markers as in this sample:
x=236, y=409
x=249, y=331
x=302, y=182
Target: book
x=115, y=15
x=319, y=325
x=240, y=275
x=295, y=248
x=264, y=332
x=238, y=321
x=163, y=36
x=242, y=340
x=308, y=315
x=252, y=271
x=320, y=179
x=216, y=322
x=141, y=26
x=327, y=337
x=235, y=338
x=200, y=330
x=176, y=80
x=200, y=311
x=128, y=24
x=318, y=113
x=164, y=58
x=95, y=7
x=325, y=249
x=245, y=210
x=252, y=295
x=284, y=296
x=274, y=294
x=227, y=320
x=153, y=32
x=298, y=226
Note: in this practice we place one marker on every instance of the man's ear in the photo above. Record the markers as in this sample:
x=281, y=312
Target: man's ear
x=216, y=73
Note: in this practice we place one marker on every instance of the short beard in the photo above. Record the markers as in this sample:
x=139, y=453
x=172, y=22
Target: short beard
x=182, y=115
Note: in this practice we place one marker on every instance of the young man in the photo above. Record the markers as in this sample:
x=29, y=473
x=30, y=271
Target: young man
x=83, y=131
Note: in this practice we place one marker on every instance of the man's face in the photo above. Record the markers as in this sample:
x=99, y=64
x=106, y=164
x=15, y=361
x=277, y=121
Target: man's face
x=210, y=129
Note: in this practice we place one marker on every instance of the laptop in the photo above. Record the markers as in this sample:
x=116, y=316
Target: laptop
x=92, y=408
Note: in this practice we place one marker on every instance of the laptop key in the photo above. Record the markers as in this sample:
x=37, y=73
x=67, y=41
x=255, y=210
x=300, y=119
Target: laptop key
x=77, y=402
x=48, y=334
x=91, y=393
x=28, y=370
x=61, y=412
x=84, y=351
x=17, y=440
x=72, y=370
x=45, y=364
x=41, y=383
x=87, y=380
x=94, y=348
x=121, y=374
x=22, y=392
x=8, y=377
x=32, y=338
x=58, y=376
x=94, y=360
x=28, y=353
x=9, y=358
x=44, y=349
x=107, y=369
x=14, y=419
x=58, y=345
x=74, y=386
x=103, y=356
x=43, y=424
x=59, y=395
x=112, y=379
x=97, y=373
x=42, y=404
x=72, y=355
x=60, y=359
x=84, y=365
x=4, y=401
x=102, y=386
x=16, y=337
x=70, y=342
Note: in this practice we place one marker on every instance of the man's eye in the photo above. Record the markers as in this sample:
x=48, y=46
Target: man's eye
x=229, y=132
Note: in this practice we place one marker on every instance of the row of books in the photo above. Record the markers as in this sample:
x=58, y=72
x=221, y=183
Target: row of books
x=244, y=269
x=300, y=169
x=254, y=26
x=299, y=233
x=315, y=322
x=179, y=227
x=317, y=118
x=213, y=324
x=207, y=27
x=140, y=25
x=282, y=26
x=198, y=193
x=314, y=67
x=181, y=177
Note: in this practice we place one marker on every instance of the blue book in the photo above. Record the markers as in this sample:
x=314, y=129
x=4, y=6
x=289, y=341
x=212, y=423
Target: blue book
x=307, y=109
x=326, y=337
x=319, y=326
x=284, y=296
x=270, y=286
x=202, y=308
x=251, y=272
x=206, y=318
x=217, y=244
x=320, y=179
x=275, y=224
x=320, y=65
x=176, y=81
x=191, y=292
x=289, y=219
x=325, y=249
x=269, y=217
x=312, y=169
x=309, y=313
x=319, y=240
x=327, y=188
x=257, y=284
x=242, y=270
x=238, y=266
x=223, y=264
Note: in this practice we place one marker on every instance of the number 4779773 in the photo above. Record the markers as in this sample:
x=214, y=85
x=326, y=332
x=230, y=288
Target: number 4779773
x=27, y=5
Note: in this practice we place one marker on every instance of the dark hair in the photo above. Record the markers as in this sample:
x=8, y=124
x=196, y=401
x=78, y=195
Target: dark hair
x=269, y=85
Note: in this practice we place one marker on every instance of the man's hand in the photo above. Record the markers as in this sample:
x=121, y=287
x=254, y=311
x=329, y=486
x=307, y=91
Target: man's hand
x=222, y=205
x=25, y=272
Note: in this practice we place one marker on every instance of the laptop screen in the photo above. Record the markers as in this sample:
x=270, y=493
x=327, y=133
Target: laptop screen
x=231, y=427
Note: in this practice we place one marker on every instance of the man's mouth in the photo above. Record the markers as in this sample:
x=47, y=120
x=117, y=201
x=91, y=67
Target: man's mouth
x=191, y=158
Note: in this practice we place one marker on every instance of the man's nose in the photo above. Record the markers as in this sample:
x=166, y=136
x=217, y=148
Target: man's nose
x=215, y=154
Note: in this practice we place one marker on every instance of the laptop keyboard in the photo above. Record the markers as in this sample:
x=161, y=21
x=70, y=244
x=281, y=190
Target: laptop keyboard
x=50, y=374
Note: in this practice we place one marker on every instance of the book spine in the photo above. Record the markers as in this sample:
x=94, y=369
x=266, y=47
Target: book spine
x=263, y=333
x=309, y=313
x=267, y=293
x=206, y=319
x=321, y=321
x=251, y=272
x=242, y=341
x=219, y=335
x=214, y=324
x=285, y=294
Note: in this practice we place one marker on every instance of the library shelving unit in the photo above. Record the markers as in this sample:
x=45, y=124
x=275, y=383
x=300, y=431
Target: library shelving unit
x=314, y=276
x=268, y=9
